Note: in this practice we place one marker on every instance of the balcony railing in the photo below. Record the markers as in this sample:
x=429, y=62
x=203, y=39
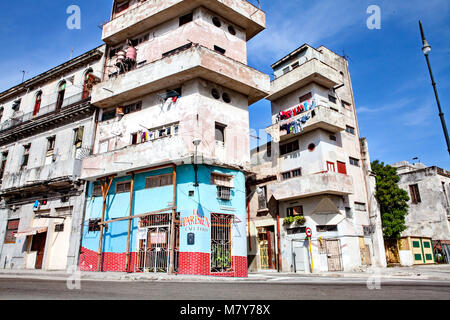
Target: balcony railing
x=49, y=108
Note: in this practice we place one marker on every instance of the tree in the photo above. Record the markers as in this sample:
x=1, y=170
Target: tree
x=392, y=199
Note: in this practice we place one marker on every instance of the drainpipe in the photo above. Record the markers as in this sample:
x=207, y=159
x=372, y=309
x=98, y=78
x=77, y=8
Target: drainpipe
x=278, y=237
x=86, y=189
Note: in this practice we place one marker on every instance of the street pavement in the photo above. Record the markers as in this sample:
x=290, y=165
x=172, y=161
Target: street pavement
x=419, y=282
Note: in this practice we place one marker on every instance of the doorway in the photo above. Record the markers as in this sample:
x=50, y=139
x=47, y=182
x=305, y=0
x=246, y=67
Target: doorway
x=266, y=242
x=38, y=245
x=334, y=255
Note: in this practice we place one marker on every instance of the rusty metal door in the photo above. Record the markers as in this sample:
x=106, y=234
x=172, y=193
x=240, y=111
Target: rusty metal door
x=334, y=255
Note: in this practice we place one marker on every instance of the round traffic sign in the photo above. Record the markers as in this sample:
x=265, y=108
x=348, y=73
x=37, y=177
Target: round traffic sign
x=308, y=232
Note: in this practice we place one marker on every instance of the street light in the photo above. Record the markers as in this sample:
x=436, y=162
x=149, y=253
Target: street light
x=426, y=48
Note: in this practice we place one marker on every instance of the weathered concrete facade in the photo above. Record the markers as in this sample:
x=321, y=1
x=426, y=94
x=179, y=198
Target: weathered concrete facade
x=429, y=208
x=47, y=128
x=315, y=167
x=172, y=143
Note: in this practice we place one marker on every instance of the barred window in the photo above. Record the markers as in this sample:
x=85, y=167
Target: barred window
x=223, y=193
x=221, y=258
x=122, y=187
x=158, y=181
x=11, y=229
x=223, y=180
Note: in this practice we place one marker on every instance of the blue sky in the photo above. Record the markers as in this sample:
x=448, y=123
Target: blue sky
x=395, y=102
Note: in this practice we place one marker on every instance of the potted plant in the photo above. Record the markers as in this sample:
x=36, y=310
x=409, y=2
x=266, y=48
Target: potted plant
x=300, y=220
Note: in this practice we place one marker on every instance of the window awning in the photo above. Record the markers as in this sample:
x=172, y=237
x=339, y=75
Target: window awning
x=30, y=232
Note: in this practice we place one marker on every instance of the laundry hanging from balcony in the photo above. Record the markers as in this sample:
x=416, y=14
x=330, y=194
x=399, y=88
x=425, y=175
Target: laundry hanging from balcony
x=295, y=126
x=299, y=109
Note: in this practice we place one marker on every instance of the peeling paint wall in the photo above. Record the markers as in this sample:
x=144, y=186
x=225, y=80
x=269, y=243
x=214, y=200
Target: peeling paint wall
x=430, y=217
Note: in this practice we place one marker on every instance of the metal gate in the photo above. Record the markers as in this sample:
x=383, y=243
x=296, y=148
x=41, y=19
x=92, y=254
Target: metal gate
x=221, y=259
x=154, y=244
x=263, y=249
x=334, y=255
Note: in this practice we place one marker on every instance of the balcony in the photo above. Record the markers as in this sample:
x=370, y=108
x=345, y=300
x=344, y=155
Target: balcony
x=311, y=71
x=313, y=185
x=73, y=108
x=194, y=62
x=21, y=118
x=321, y=117
x=54, y=174
x=152, y=13
x=134, y=157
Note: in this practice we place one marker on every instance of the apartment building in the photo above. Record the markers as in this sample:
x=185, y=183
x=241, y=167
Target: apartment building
x=315, y=173
x=167, y=174
x=47, y=128
x=427, y=237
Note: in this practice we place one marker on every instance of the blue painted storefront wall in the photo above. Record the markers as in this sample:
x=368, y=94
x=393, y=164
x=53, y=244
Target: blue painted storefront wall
x=148, y=200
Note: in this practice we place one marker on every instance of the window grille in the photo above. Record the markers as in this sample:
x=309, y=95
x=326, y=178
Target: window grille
x=11, y=229
x=221, y=259
x=224, y=193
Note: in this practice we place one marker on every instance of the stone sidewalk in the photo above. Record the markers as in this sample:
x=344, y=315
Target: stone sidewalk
x=430, y=272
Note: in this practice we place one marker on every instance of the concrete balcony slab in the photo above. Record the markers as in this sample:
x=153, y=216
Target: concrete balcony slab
x=311, y=71
x=152, y=13
x=313, y=185
x=191, y=63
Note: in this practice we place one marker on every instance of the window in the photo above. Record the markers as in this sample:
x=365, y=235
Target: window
x=78, y=137
x=295, y=65
x=109, y=114
x=415, y=194
x=3, y=164
x=354, y=162
x=219, y=50
x=295, y=211
x=97, y=191
x=94, y=225
x=37, y=103
x=1, y=112
x=311, y=147
x=59, y=227
x=286, y=70
x=221, y=259
x=16, y=104
x=331, y=167
x=223, y=193
x=306, y=97
x=11, y=229
x=350, y=130
x=217, y=22
x=122, y=187
x=231, y=30
x=61, y=93
x=49, y=156
x=220, y=133
x=269, y=150
x=26, y=155
x=289, y=147
x=220, y=179
x=342, y=167
x=158, y=181
x=215, y=93
x=333, y=138
x=226, y=97
x=179, y=49
x=135, y=107
x=186, y=18
x=332, y=99
x=291, y=174
x=346, y=105
x=360, y=206
x=262, y=198
x=122, y=6
x=331, y=228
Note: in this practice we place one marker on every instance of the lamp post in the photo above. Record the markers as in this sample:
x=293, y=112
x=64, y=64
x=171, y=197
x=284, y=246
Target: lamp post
x=426, y=50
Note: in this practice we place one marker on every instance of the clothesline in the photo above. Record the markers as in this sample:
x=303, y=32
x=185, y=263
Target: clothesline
x=297, y=110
